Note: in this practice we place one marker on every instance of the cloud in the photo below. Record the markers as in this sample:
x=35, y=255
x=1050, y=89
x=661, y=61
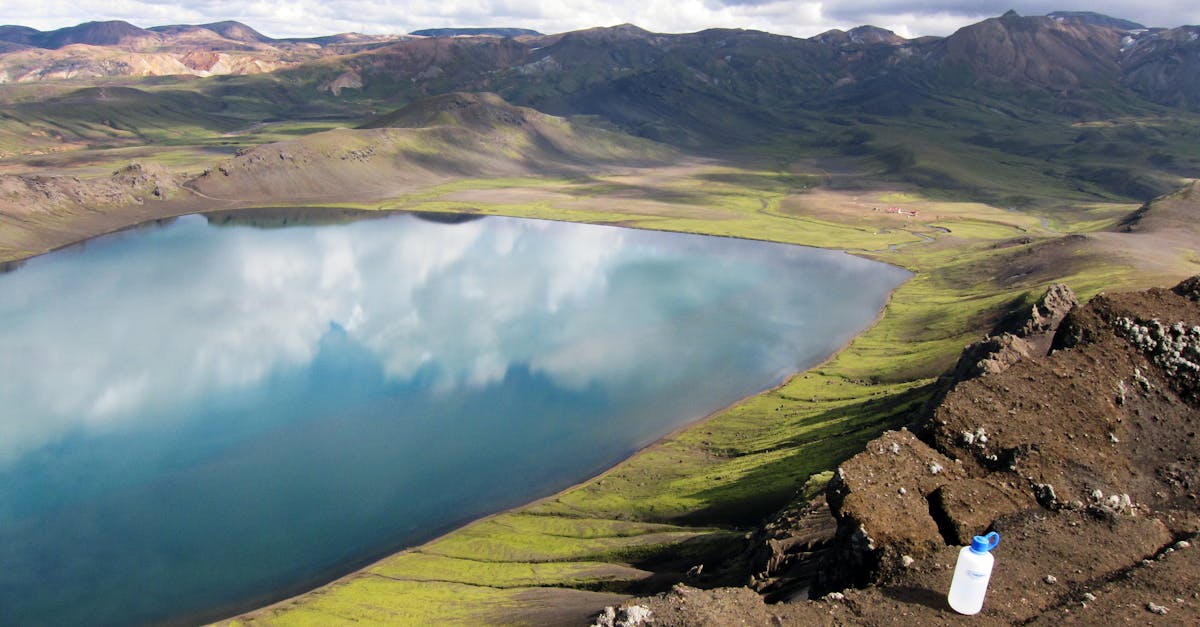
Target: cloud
x=287, y=18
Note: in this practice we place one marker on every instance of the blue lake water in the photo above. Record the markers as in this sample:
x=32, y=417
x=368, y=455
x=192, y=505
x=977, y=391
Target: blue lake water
x=195, y=417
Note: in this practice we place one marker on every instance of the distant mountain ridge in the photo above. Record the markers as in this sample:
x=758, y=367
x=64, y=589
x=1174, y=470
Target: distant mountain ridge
x=109, y=33
x=234, y=31
x=1096, y=19
x=97, y=50
x=713, y=87
x=1070, y=49
x=117, y=33
x=456, y=32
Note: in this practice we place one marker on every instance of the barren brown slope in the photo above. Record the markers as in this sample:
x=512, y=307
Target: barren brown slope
x=41, y=213
x=1041, y=51
x=451, y=136
x=1085, y=460
x=1159, y=237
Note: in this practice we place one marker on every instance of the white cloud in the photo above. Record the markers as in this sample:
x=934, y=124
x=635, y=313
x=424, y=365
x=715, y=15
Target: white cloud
x=287, y=18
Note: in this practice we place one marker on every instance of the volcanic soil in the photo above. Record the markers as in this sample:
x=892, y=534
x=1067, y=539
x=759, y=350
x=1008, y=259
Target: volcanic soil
x=1070, y=430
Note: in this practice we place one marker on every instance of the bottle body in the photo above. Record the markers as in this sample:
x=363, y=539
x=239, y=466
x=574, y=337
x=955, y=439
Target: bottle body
x=971, y=576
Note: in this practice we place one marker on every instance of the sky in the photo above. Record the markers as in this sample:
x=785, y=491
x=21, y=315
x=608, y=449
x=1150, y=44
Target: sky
x=303, y=18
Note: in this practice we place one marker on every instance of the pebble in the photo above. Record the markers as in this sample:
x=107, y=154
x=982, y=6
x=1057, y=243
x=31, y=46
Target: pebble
x=1050, y=579
x=1157, y=609
x=637, y=615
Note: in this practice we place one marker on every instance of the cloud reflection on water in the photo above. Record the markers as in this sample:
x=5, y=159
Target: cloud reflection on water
x=137, y=327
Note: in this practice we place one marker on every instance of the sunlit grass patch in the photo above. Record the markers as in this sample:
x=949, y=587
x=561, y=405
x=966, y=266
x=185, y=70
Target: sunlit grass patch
x=419, y=566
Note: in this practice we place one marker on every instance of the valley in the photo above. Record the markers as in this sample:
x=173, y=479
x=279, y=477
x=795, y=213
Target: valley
x=1017, y=153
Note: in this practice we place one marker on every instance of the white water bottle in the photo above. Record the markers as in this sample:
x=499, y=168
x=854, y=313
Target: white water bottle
x=972, y=573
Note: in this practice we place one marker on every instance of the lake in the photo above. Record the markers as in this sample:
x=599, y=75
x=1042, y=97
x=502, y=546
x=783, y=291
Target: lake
x=200, y=416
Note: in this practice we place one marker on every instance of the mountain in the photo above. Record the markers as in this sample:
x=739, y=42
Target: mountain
x=20, y=35
x=458, y=32
x=474, y=111
x=862, y=35
x=1035, y=51
x=1163, y=66
x=236, y=31
x=865, y=94
x=584, y=71
x=577, y=70
x=98, y=50
x=111, y=33
x=1096, y=19
x=443, y=137
x=228, y=30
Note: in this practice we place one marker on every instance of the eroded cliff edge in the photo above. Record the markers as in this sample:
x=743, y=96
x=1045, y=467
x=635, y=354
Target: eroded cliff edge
x=1071, y=430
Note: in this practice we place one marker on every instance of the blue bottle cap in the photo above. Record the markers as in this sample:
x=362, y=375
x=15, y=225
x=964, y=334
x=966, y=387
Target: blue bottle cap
x=983, y=544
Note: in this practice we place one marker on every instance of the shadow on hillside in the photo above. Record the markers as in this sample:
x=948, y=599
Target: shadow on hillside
x=845, y=431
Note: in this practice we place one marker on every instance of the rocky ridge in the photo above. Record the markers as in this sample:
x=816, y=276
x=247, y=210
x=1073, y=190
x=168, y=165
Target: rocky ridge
x=1062, y=54
x=95, y=50
x=1071, y=431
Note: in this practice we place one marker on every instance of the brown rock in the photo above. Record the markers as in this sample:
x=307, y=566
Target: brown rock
x=785, y=555
x=1049, y=311
x=879, y=500
x=967, y=508
x=991, y=355
x=1189, y=288
x=1030, y=333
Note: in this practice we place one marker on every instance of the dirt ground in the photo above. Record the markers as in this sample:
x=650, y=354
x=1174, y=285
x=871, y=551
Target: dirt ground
x=1085, y=460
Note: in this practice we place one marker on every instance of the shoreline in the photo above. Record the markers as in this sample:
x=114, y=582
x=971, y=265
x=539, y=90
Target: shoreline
x=639, y=450
x=357, y=568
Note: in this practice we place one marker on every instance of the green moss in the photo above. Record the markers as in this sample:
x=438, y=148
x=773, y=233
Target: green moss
x=420, y=566
x=373, y=599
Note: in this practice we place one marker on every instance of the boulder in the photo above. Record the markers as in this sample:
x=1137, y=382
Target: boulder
x=879, y=498
x=1189, y=288
x=1028, y=333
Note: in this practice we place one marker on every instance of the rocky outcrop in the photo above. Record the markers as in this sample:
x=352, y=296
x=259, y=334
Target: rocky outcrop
x=1084, y=458
x=1104, y=425
x=786, y=554
x=25, y=195
x=880, y=499
x=991, y=355
x=1189, y=288
x=346, y=80
x=1029, y=334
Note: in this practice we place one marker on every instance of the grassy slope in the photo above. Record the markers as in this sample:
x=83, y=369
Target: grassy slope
x=695, y=490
